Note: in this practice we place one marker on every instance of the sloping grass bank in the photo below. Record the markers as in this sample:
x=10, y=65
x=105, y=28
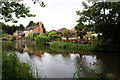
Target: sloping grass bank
x=68, y=45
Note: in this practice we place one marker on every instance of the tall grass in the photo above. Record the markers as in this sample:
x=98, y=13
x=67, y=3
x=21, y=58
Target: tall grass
x=13, y=68
x=60, y=44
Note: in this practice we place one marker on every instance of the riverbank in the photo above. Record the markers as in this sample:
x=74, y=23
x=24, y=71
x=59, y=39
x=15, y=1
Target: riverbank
x=68, y=45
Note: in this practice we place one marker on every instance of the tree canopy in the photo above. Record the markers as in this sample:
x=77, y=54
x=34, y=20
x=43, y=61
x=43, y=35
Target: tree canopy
x=10, y=7
x=103, y=17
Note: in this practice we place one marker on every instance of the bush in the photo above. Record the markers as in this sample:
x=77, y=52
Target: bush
x=53, y=36
x=5, y=39
x=30, y=36
x=13, y=68
x=41, y=39
x=13, y=38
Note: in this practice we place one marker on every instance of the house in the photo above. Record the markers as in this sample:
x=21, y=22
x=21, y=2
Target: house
x=73, y=32
x=18, y=33
x=34, y=29
x=60, y=31
x=52, y=31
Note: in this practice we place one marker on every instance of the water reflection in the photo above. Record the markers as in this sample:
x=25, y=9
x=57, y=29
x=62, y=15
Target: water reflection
x=53, y=63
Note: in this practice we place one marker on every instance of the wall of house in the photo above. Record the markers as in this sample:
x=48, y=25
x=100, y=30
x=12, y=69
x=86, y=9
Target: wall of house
x=26, y=33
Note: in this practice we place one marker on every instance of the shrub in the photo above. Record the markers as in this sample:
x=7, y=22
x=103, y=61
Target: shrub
x=53, y=36
x=5, y=39
x=13, y=68
x=41, y=39
x=13, y=38
x=31, y=36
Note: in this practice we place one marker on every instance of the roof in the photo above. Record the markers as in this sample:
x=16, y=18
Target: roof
x=18, y=31
x=61, y=30
x=52, y=31
x=30, y=28
x=73, y=30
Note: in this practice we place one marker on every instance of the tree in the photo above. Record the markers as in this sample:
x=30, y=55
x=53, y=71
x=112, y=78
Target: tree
x=31, y=23
x=20, y=27
x=66, y=33
x=11, y=29
x=103, y=17
x=14, y=7
x=44, y=30
x=80, y=30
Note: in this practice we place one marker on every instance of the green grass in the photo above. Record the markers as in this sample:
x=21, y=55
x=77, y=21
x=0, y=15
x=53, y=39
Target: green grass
x=13, y=68
x=68, y=45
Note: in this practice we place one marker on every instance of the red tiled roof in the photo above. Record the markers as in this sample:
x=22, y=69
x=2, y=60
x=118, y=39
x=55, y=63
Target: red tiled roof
x=61, y=30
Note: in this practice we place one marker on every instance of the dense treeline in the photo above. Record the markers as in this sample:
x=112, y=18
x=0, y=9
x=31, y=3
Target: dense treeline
x=10, y=29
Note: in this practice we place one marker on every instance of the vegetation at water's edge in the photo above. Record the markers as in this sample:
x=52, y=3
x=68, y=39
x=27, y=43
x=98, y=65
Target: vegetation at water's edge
x=13, y=68
x=60, y=44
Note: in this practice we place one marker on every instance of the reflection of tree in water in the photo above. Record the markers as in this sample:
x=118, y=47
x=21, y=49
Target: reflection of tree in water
x=111, y=63
x=88, y=66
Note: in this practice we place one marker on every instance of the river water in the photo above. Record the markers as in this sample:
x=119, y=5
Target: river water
x=63, y=63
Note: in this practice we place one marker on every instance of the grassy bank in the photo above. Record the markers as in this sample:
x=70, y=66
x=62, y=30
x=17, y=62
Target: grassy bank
x=68, y=45
x=13, y=68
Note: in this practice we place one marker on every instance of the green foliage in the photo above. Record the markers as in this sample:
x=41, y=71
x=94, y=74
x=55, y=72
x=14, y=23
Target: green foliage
x=66, y=33
x=53, y=36
x=103, y=17
x=31, y=36
x=40, y=39
x=109, y=75
x=10, y=29
x=60, y=44
x=30, y=24
x=13, y=38
x=13, y=68
x=80, y=30
x=44, y=30
x=52, y=33
x=10, y=7
x=4, y=39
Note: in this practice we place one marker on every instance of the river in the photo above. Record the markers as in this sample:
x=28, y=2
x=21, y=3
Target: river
x=61, y=63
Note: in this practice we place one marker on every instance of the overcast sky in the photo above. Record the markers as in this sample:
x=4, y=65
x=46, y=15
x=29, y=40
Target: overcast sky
x=57, y=13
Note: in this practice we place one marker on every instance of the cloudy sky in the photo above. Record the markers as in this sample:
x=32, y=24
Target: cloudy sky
x=57, y=13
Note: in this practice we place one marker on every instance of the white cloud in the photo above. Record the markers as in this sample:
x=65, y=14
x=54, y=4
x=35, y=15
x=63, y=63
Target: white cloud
x=57, y=13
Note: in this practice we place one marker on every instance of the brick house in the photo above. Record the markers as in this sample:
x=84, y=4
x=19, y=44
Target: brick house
x=34, y=29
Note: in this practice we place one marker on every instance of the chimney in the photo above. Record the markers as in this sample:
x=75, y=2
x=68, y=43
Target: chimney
x=40, y=23
x=40, y=27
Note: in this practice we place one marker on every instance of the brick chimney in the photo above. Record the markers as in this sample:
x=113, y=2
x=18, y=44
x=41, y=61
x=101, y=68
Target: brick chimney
x=40, y=27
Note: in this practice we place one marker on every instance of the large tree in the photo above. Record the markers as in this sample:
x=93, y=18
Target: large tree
x=10, y=7
x=103, y=17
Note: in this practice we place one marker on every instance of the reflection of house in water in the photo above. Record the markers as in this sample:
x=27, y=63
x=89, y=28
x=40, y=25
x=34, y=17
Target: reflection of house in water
x=25, y=48
x=19, y=46
x=32, y=52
